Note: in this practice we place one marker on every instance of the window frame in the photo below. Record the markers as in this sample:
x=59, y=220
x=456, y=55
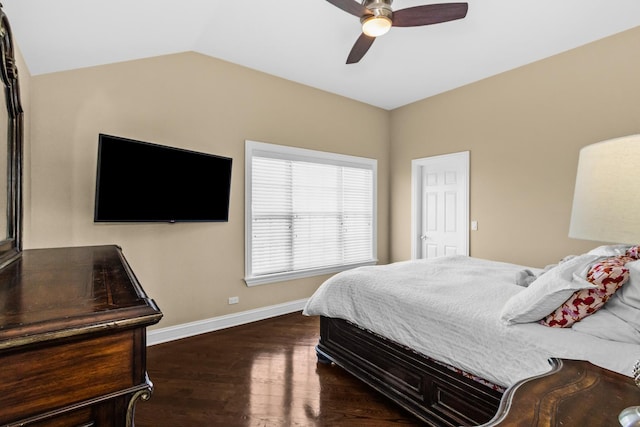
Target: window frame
x=263, y=149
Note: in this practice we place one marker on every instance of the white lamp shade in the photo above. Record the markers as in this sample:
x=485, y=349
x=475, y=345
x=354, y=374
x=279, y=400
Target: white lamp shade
x=606, y=202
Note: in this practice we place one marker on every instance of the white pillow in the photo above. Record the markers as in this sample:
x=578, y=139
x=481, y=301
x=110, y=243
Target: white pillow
x=548, y=291
x=625, y=303
x=609, y=250
x=604, y=324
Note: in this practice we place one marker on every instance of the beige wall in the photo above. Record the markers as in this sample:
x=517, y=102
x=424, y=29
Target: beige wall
x=195, y=102
x=524, y=129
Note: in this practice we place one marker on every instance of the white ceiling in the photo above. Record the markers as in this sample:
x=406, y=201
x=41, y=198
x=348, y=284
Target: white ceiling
x=307, y=41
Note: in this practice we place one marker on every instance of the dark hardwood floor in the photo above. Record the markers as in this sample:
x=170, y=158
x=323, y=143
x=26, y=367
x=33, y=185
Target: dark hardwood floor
x=261, y=374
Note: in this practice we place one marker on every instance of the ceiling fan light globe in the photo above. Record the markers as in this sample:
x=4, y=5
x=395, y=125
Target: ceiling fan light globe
x=376, y=26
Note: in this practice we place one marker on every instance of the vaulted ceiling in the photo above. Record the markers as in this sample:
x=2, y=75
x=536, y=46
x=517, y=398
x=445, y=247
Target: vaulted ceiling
x=307, y=41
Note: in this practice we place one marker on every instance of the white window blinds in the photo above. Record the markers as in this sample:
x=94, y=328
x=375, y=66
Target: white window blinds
x=308, y=212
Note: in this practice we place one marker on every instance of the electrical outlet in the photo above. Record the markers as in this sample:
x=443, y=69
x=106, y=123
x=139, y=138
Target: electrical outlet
x=234, y=300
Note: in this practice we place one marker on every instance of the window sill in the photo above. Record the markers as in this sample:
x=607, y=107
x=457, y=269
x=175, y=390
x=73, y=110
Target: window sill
x=291, y=275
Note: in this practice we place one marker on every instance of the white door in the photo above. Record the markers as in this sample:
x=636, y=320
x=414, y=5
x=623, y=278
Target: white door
x=440, y=206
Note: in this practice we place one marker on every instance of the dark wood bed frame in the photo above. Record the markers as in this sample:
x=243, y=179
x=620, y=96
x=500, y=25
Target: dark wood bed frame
x=434, y=393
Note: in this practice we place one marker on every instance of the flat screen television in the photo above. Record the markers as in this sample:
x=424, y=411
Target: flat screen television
x=143, y=182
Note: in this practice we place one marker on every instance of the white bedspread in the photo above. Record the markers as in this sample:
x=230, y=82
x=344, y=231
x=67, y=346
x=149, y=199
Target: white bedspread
x=448, y=309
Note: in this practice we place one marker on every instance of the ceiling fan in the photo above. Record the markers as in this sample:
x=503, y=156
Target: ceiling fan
x=377, y=18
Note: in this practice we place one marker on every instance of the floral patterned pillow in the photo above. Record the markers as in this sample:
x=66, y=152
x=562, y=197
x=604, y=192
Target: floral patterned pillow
x=608, y=276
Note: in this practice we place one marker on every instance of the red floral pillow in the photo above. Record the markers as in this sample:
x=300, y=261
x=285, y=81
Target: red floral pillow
x=608, y=275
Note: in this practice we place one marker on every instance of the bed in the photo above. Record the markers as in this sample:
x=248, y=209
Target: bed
x=445, y=337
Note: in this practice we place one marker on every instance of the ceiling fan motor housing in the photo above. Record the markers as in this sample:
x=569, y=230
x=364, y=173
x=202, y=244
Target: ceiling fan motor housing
x=378, y=8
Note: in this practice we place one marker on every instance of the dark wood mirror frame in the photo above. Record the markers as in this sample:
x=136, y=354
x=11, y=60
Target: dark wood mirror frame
x=11, y=238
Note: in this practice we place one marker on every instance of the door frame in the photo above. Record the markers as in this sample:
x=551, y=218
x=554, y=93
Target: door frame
x=417, y=166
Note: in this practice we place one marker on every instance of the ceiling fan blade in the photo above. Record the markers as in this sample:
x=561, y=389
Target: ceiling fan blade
x=429, y=14
x=360, y=47
x=351, y=6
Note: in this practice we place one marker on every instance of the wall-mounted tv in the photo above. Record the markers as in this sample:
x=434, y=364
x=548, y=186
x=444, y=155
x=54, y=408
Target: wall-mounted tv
x=143, y=182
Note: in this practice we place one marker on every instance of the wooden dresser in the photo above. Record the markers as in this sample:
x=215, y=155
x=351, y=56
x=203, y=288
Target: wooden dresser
x=72, y=338
x=573, y=393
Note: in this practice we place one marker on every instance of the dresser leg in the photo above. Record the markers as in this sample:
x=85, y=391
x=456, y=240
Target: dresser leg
x=144, y=394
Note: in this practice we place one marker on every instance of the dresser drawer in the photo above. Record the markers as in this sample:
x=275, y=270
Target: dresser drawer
x=45, y=379
x=79, y=418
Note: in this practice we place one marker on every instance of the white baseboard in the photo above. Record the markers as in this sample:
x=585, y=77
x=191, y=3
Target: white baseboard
x=159, y=336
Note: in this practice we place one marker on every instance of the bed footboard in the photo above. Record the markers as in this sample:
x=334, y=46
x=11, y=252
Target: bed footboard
x=432, y=392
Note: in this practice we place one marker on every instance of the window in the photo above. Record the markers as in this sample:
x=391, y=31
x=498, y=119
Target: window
x=307, y=212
